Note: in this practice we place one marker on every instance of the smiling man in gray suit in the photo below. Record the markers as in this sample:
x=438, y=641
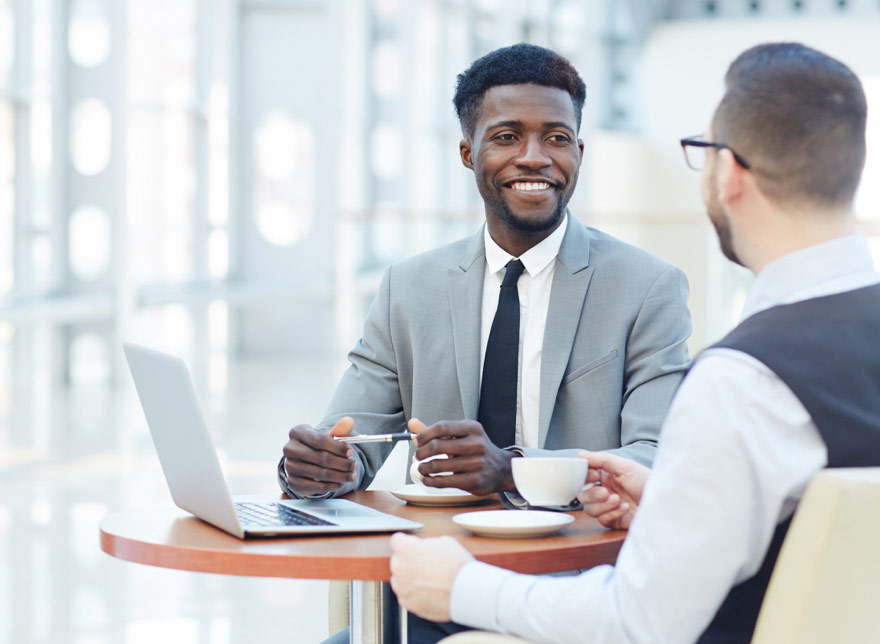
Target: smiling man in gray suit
x=602, y=325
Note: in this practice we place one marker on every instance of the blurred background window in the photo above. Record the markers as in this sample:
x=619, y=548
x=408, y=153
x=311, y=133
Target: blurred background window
x=227, y=180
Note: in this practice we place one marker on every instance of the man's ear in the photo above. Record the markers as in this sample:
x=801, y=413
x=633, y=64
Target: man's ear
x=731, y=177
x=465, y=149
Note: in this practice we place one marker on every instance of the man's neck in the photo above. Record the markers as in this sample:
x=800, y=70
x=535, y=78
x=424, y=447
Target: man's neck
x=515, y=242
x=786, y=231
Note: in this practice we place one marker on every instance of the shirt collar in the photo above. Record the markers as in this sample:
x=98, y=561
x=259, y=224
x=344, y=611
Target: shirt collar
x=535, y=259
x=806, y=270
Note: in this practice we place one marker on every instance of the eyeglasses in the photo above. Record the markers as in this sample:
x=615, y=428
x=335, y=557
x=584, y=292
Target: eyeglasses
x=694, y=148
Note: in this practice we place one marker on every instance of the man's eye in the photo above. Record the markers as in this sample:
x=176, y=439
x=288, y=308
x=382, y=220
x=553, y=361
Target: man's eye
x=561, y=138
x=507, y=136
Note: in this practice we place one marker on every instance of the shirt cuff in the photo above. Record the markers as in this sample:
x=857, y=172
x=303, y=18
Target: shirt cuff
x=512, y=499
x=475, y=592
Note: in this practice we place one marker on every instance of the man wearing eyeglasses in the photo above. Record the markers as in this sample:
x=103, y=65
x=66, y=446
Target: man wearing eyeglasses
x=793, y=389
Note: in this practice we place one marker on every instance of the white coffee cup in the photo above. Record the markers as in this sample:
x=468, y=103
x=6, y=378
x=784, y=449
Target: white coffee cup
x=549, y=480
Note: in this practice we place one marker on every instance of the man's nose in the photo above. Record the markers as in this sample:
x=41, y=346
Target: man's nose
x=533, y=153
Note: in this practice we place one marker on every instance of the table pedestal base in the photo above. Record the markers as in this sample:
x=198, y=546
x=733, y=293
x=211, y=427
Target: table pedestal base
x=372, y=614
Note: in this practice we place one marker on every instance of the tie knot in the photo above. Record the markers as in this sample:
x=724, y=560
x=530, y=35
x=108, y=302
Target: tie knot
x=514, y=270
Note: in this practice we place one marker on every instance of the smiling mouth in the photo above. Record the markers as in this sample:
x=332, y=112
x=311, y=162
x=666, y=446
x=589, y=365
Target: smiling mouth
x=529, y=186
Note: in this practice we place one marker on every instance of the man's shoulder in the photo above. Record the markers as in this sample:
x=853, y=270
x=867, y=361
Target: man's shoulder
x=436, y=261
x=609, y=253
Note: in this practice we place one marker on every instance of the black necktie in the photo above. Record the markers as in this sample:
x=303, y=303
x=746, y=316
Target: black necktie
x=497, y=411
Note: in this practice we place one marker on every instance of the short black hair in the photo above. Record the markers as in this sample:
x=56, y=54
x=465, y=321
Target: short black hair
x=514, y=65
x=798, y=116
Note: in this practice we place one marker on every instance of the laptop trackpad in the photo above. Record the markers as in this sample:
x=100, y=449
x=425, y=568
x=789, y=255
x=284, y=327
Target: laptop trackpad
x=332, y=509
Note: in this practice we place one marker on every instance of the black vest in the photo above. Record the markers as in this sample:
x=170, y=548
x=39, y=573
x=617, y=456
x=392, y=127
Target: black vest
x=827, y=351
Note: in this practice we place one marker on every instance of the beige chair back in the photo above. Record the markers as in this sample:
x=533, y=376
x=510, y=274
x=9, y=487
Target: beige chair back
x=338, y=610
x=826, y=583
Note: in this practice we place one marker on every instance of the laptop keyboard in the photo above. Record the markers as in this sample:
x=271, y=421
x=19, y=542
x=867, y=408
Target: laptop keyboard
x=270, y=514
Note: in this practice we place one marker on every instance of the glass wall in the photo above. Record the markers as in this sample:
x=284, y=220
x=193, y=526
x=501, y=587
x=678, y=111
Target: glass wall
x=227, y=179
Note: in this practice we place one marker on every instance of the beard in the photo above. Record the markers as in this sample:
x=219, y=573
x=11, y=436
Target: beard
x=530, y=224
x=725, y=237
x=721, y=223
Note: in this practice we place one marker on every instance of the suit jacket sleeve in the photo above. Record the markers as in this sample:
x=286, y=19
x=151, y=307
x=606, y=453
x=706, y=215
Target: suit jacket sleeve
x=653, y=359
x=369, y=392
x=656, y=361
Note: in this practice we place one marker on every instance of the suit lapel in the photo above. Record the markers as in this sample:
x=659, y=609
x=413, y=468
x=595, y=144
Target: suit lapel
x=465, y=287
x=570, y=281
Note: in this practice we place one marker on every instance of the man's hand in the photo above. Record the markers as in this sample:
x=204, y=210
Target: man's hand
x=476, y=464
x=423, y=571
x=622, y=481
x=315, y=463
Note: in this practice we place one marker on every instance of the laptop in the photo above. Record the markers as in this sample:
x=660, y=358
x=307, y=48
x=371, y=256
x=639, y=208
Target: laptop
x=197, y=485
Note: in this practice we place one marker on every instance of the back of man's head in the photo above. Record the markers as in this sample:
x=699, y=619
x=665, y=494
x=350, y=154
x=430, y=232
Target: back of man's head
x=798, y=117
x=514, y=65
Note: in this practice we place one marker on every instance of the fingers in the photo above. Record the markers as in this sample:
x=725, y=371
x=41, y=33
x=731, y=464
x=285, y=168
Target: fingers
x=607, y=507
x=416, y=427
x=324, y=474
x=450, y=429
x=473, y=463
x=315, y=440
x=400, y=540
x=619, y=519
x=308, y=487
x=599, y=501
x=462, y=437
x=594, y=495
x=307, y=479
x=445, y=465
x=479, y=483
x=467, y=482
x=472, y=475
x=597, y=510
x=329, y=456
x=315, y=463
x=343, y=426
x=405, y=551
x=594, y=475
x=423, y=572
x=402, y=546
x=611, y=463
x=406, y=545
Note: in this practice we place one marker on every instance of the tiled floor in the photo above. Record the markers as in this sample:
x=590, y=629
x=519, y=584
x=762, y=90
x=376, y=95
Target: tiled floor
x=69, y=455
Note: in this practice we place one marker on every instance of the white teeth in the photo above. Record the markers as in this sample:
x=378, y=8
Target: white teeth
x=530, y=185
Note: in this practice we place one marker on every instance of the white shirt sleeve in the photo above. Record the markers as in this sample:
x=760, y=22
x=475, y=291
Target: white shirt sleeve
x=736, y=453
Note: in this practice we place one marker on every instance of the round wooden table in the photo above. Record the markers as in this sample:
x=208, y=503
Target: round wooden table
x=163, y=535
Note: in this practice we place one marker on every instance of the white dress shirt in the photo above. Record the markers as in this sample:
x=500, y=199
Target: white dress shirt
x=736, y=453
x=534, y=299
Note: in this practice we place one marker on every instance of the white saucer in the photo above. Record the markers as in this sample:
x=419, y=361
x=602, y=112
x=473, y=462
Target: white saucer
x=416, y=494
x=513, y=523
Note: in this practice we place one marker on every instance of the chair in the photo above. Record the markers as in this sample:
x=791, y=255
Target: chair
x=826, y=583
x=338, y=612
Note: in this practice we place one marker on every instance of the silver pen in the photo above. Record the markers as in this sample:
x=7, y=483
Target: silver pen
x=375, y=438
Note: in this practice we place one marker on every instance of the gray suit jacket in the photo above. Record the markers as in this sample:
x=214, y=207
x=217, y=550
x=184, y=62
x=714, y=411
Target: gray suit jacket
x=614, y=348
